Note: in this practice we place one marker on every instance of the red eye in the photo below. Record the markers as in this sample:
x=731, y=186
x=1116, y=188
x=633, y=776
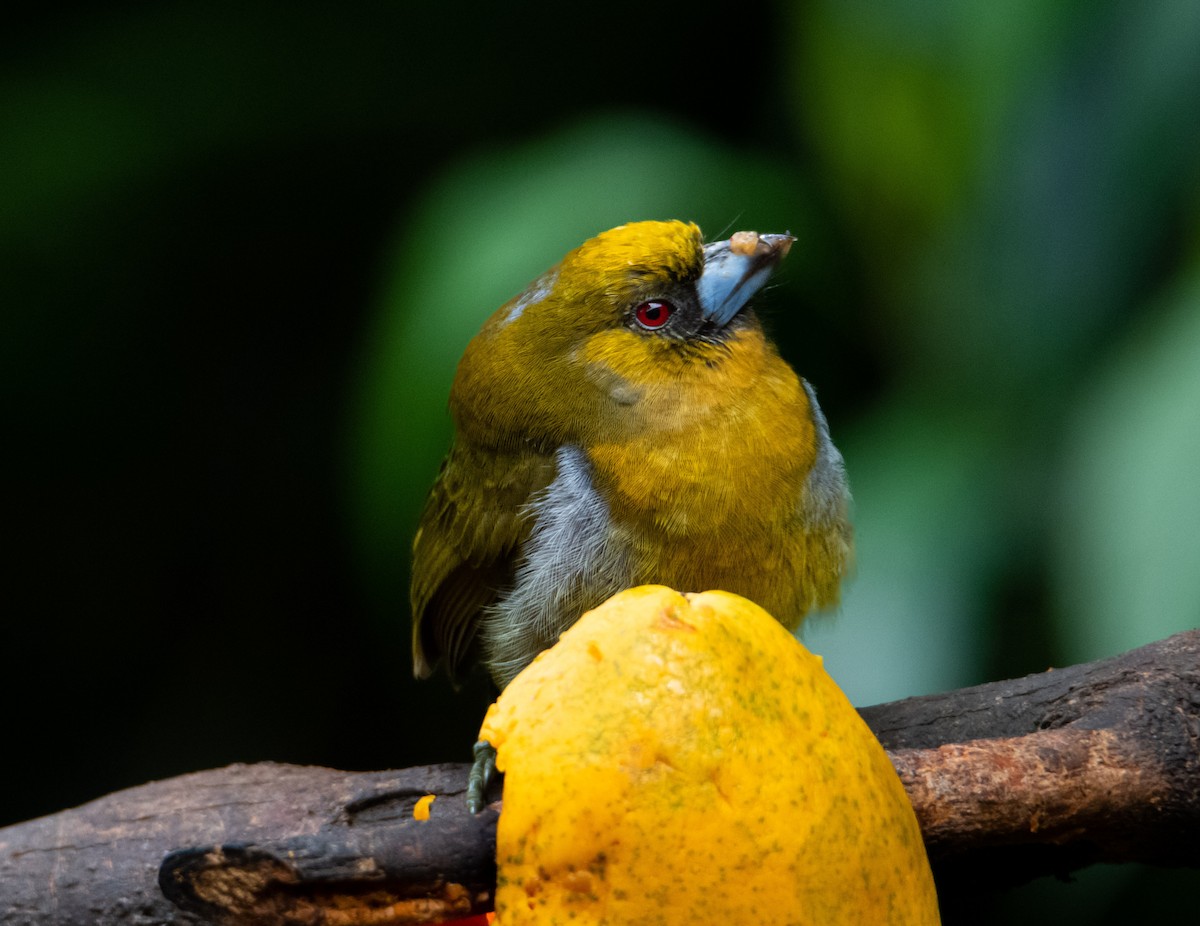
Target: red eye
x=653, y=314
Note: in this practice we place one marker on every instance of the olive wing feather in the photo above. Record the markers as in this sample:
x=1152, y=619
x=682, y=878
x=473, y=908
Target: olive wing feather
x=475, y=521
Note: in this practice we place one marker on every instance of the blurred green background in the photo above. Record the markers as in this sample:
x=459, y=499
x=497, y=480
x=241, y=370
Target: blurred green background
x=243, y=246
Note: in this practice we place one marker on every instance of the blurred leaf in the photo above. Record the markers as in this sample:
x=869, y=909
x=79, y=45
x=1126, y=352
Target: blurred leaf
x=912, y=618
x=903, y=99
x=1008, y=171
x=1075, y=201
x=1126, y=544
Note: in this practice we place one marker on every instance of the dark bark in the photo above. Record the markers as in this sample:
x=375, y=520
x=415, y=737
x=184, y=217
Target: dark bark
x=1045, y=774
x=1010, y=780
x=289, y=837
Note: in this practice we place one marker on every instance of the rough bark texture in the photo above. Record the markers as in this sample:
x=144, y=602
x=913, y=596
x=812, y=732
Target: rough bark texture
x=1045, y=774
x=1040, y=775
x=272, y=843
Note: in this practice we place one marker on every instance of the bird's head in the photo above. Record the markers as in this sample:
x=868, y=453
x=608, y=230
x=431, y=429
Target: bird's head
x=629, y=315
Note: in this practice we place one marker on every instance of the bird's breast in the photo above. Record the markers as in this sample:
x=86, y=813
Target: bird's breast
x=710, y=450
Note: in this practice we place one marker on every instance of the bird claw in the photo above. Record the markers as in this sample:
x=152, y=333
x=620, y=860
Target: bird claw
x=482, y=770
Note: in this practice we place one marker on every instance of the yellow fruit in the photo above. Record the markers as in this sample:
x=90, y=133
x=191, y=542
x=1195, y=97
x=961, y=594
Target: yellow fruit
x=684, y=760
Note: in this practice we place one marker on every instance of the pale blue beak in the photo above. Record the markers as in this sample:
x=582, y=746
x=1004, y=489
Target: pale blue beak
x=734, y=270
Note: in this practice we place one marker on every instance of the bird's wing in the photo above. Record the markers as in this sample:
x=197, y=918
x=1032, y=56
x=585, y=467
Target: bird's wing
x=471, y=531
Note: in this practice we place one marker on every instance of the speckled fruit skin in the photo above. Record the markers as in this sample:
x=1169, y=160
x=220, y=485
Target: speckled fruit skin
x=682, y=759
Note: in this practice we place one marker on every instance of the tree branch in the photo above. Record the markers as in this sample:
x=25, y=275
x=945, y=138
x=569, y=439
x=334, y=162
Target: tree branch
x=1040, y=775
x=1045, y=774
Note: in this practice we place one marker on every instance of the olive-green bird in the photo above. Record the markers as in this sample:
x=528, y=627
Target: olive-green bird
x=625, y=421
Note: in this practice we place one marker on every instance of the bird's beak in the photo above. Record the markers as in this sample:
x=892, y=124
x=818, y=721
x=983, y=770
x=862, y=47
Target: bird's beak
x=735, y=270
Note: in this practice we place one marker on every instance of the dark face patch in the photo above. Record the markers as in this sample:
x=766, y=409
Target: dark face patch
x=679, y=319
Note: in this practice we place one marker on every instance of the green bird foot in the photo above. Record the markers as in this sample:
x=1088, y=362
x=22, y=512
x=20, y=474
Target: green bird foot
x=482, y=771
